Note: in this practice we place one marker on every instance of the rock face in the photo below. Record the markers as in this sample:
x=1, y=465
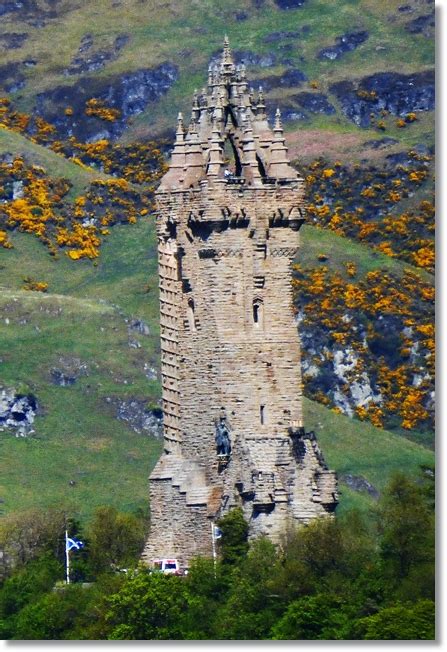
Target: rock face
x=130, y=94
x=68, y=371
x=88, y=59
x=140, y=418
x=12, y=40
x=360, y=484
x=314, y=103
x=289, y=4
x=17, y=412
x=422, y=25
x=274, y=37
x=343, y=44
x=248, y=58
x=289, y=79
x=227, y=235
x=399, y=94
x=62, y=379
x=12, y=78
x=381, y=143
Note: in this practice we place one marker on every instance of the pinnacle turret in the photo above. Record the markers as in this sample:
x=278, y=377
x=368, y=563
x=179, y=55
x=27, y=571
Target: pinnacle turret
x=227, y=58
x=278, y=124
x=279, y=165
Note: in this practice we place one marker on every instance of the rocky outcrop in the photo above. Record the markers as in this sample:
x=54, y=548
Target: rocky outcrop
x=314, y=103
x=130, y=94
x=360, y=484
x=299, y=106
x=289, y=112
x=12, y=78
x=139, y=417
x=289, y=4
x=343, y=44
x=289, y=79
x=12, y=40
x=422, y=25
x=17, y=412
x=381, y=143
x=139, y=326
x=68, y=371
x=275, y=37
x=249, y=58
x=88, y=59
x=397, y=93
x=35, y=13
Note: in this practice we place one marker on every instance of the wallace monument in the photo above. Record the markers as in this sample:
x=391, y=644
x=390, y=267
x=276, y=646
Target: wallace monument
x=230, y=209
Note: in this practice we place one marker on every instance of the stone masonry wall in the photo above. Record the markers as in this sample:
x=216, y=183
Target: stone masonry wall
x=228, y=230
x=218, y=361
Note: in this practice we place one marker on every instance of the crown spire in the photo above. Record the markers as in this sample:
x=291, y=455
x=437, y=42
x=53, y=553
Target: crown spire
x=227, y=108
x=180, y=127
x=278, y=123
x=227, y=65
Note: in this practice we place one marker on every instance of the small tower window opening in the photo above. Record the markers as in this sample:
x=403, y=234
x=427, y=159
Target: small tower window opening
x=262, y=414
x=261, y=166
x=178, y=259
x=232, y=158
x=258, y=312
x=191, y=315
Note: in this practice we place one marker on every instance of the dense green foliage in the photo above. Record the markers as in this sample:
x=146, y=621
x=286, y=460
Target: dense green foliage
x=334, y=579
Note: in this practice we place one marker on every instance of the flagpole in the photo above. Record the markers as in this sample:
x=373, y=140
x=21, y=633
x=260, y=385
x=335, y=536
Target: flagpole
x=67, y=558
x=214, y=547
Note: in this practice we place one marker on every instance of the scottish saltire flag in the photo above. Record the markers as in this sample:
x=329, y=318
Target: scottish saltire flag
x=73, y=543
x=217, y=532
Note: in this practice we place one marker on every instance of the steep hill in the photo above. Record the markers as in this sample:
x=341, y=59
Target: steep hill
x=79, y=361
x=321, y=62
x=87, y=350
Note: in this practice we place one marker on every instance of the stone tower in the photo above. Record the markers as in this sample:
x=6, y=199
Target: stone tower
x=229, y=213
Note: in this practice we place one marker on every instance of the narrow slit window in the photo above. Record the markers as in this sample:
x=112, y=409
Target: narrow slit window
x=262, y=414
x=258, y=312
x=191, y=315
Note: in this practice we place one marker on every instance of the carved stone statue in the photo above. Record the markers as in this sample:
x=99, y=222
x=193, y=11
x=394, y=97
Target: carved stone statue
x=223, y=443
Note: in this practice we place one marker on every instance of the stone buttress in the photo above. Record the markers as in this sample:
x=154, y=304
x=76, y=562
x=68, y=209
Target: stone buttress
x=229, y=213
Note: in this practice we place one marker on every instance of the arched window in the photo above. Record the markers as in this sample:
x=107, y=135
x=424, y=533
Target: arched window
x=258, y=313
x=260, y=166
x=191, y=315
x=232, y=158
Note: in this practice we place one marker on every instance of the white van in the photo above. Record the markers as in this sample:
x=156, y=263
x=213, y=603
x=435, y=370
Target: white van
x=167, y=566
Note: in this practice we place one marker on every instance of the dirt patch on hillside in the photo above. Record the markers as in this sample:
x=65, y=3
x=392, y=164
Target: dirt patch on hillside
x=311, y=144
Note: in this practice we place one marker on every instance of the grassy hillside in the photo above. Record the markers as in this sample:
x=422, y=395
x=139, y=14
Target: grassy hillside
x=360, y=449
x=124, y=274
x=14, y=143
x=81, y=451
x=78, y=437
x=189, y=34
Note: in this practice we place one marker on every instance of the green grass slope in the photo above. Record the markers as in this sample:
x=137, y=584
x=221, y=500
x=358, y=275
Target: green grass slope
x=80, y=177
x=339, y=250
x=78, y=437
x=189, y=33
x=80, y=452
x=358, y=448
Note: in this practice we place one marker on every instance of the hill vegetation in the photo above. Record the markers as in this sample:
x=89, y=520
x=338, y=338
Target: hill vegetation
x=337, y=579
x=86, y=124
